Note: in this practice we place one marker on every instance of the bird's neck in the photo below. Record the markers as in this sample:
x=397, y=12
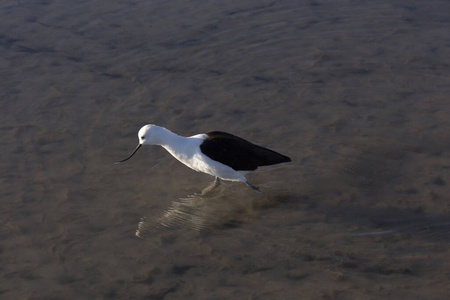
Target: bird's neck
x=166, y=138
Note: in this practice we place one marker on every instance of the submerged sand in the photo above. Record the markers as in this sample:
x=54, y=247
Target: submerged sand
x=355, y=92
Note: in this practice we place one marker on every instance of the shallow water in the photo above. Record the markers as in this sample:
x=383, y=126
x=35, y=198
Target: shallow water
x=355, y=92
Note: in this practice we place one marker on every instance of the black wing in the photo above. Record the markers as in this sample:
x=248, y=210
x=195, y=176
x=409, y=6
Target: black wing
x=239, y=154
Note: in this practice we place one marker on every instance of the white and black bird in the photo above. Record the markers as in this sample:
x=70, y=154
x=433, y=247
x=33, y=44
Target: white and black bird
x=216, y=153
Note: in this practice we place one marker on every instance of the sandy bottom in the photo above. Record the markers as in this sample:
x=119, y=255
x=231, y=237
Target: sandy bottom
x=355, y=92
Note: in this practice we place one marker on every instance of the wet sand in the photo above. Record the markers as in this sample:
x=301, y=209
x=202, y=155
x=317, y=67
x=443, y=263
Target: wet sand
x=355, y=92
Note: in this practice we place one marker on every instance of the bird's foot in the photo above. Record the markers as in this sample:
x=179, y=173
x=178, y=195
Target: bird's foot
x=252, y=186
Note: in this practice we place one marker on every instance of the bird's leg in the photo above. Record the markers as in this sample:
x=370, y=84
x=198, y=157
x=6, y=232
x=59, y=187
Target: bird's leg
x=252, y=186
x=211, y=187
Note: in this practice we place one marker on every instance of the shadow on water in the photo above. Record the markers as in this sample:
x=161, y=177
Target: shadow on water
x=371, y=177
x=227, y=207
x=216, y=207
x=391, y=221
x=367, y=189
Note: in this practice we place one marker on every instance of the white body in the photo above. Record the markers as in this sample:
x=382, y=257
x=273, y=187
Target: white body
x=187, y=150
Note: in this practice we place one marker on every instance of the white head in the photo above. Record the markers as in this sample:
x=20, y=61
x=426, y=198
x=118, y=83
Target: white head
x=147, y=135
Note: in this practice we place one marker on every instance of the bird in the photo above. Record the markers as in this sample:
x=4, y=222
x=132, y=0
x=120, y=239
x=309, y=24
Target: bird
x=220, y=154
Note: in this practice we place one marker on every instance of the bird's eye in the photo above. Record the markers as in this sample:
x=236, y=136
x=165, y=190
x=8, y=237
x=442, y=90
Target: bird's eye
x=143, y=137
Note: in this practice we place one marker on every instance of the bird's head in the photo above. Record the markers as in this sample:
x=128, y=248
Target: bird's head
x=147, y=135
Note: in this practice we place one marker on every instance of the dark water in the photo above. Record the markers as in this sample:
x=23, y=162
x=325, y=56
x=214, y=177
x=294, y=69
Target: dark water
x=356, y=92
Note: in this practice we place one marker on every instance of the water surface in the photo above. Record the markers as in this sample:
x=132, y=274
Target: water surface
x=355, y=92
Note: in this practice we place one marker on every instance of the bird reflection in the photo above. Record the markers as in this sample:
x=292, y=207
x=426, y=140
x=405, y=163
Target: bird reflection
x=217, y=206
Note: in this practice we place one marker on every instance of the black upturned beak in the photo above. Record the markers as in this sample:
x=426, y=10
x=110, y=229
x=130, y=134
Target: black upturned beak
x=135, y=150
